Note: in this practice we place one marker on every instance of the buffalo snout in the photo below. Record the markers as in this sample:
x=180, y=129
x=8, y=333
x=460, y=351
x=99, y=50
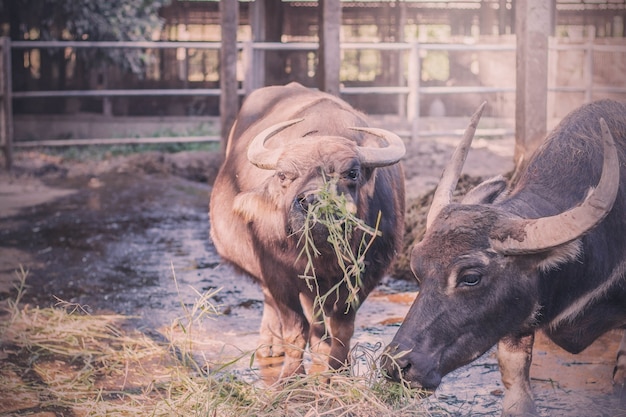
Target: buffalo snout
x=304, y=201
x=299, y=215
x=401, y=364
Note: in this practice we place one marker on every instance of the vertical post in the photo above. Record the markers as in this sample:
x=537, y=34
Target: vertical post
x=502, y=14
x=488, y=16
x=274, y=25
x=229, y=101
x=588, y=76
x=248, y=67
x=6, y=104
x=329, y=49
x=532, y=26
x=400, y=24
x=257, y=57
x=415, y=75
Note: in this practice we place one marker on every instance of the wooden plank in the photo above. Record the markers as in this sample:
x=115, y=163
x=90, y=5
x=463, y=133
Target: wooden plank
x=229, y=101
x=330, y=50
x=115, y=44
x=120, y=93
x=116, y=141
x=532, y=25
x=256, y=71
x=6, y=102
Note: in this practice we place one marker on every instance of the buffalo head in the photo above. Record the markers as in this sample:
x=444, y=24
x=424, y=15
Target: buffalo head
x=302, y=167
x=478, y=266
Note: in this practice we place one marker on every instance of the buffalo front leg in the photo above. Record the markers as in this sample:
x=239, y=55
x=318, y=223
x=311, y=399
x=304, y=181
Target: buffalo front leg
x=270, y=351
x=619, y=372
x=341, y=329
x=319, y=337
x=294, y=327
x=271, y=332
x=514, y=358
x=295, y=336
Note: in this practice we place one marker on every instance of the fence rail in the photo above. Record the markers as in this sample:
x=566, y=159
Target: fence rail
x=119, y=93
x=411, y=91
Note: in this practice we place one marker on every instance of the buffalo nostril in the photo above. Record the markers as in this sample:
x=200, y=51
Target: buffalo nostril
x=393, y=366
x=304, y=201
x=405, y=369
x=396, y=363
x=301, y=201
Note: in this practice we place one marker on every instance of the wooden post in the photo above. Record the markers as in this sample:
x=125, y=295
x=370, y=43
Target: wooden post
x=273, y=26
x=329, y=50
x=532, y=26
x=257, y=58
x=415, y=79
x=6, y=105
x=588, y=71
x=229, y=101
x=401, y=23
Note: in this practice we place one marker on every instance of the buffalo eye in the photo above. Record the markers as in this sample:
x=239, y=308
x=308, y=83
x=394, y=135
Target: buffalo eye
x=281, y=175
x=469, y=279
x=353, y=174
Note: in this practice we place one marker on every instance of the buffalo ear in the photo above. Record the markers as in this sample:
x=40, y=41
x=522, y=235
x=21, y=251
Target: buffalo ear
x=255, y=207
x=555, y=257
x=249, y=204
x=486, y=192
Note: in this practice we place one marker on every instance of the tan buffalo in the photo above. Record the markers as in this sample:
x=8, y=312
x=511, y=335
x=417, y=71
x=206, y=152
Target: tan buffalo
x=287, y=143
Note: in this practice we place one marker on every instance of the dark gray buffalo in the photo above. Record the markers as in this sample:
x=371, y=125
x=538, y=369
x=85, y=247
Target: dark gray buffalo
x=286, y=144
x=549, y=254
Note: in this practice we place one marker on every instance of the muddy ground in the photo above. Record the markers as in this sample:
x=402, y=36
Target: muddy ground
x=130, y=235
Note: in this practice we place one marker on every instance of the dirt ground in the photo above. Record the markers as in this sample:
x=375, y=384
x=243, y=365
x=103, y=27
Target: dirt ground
x=129, y=235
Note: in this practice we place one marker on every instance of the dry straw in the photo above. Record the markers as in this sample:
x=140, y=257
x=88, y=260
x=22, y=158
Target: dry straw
x=64, y=361
x=333, y=211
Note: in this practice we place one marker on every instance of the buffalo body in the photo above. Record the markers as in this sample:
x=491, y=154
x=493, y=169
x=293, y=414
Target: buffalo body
x=548, y=254
x=287, y=142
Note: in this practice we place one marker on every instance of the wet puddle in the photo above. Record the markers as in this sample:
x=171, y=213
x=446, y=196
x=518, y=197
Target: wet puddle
x=139, y=245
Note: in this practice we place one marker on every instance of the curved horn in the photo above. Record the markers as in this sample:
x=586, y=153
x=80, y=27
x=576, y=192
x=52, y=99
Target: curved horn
x=380, y=157
x=261, y=156
x=451, y=173
x=538, y=235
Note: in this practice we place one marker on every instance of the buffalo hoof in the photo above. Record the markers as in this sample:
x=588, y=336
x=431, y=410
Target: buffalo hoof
x=619, y=375
x=518, y=406
x=270, y=345
x=270, y=368
x=619, y=372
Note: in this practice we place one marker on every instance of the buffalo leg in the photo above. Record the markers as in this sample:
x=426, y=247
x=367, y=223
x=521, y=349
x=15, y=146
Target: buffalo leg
x=619, y=373
x=271, y=332
x=319, y=339
x=295, y=329
x=270, y=351
x=514, y=358
x=295, y=335
x=341, y=329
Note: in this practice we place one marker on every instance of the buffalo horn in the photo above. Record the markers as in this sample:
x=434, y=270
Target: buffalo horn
x=538, y=235
x=452, y=172
x=261, y=156
x=380, y=157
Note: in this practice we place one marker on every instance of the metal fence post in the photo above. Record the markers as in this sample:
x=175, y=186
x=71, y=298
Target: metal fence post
x=6, y=105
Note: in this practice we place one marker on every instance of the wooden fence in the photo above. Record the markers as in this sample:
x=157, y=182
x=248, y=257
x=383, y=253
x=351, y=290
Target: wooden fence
x=412, y=91
x=6, y=102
